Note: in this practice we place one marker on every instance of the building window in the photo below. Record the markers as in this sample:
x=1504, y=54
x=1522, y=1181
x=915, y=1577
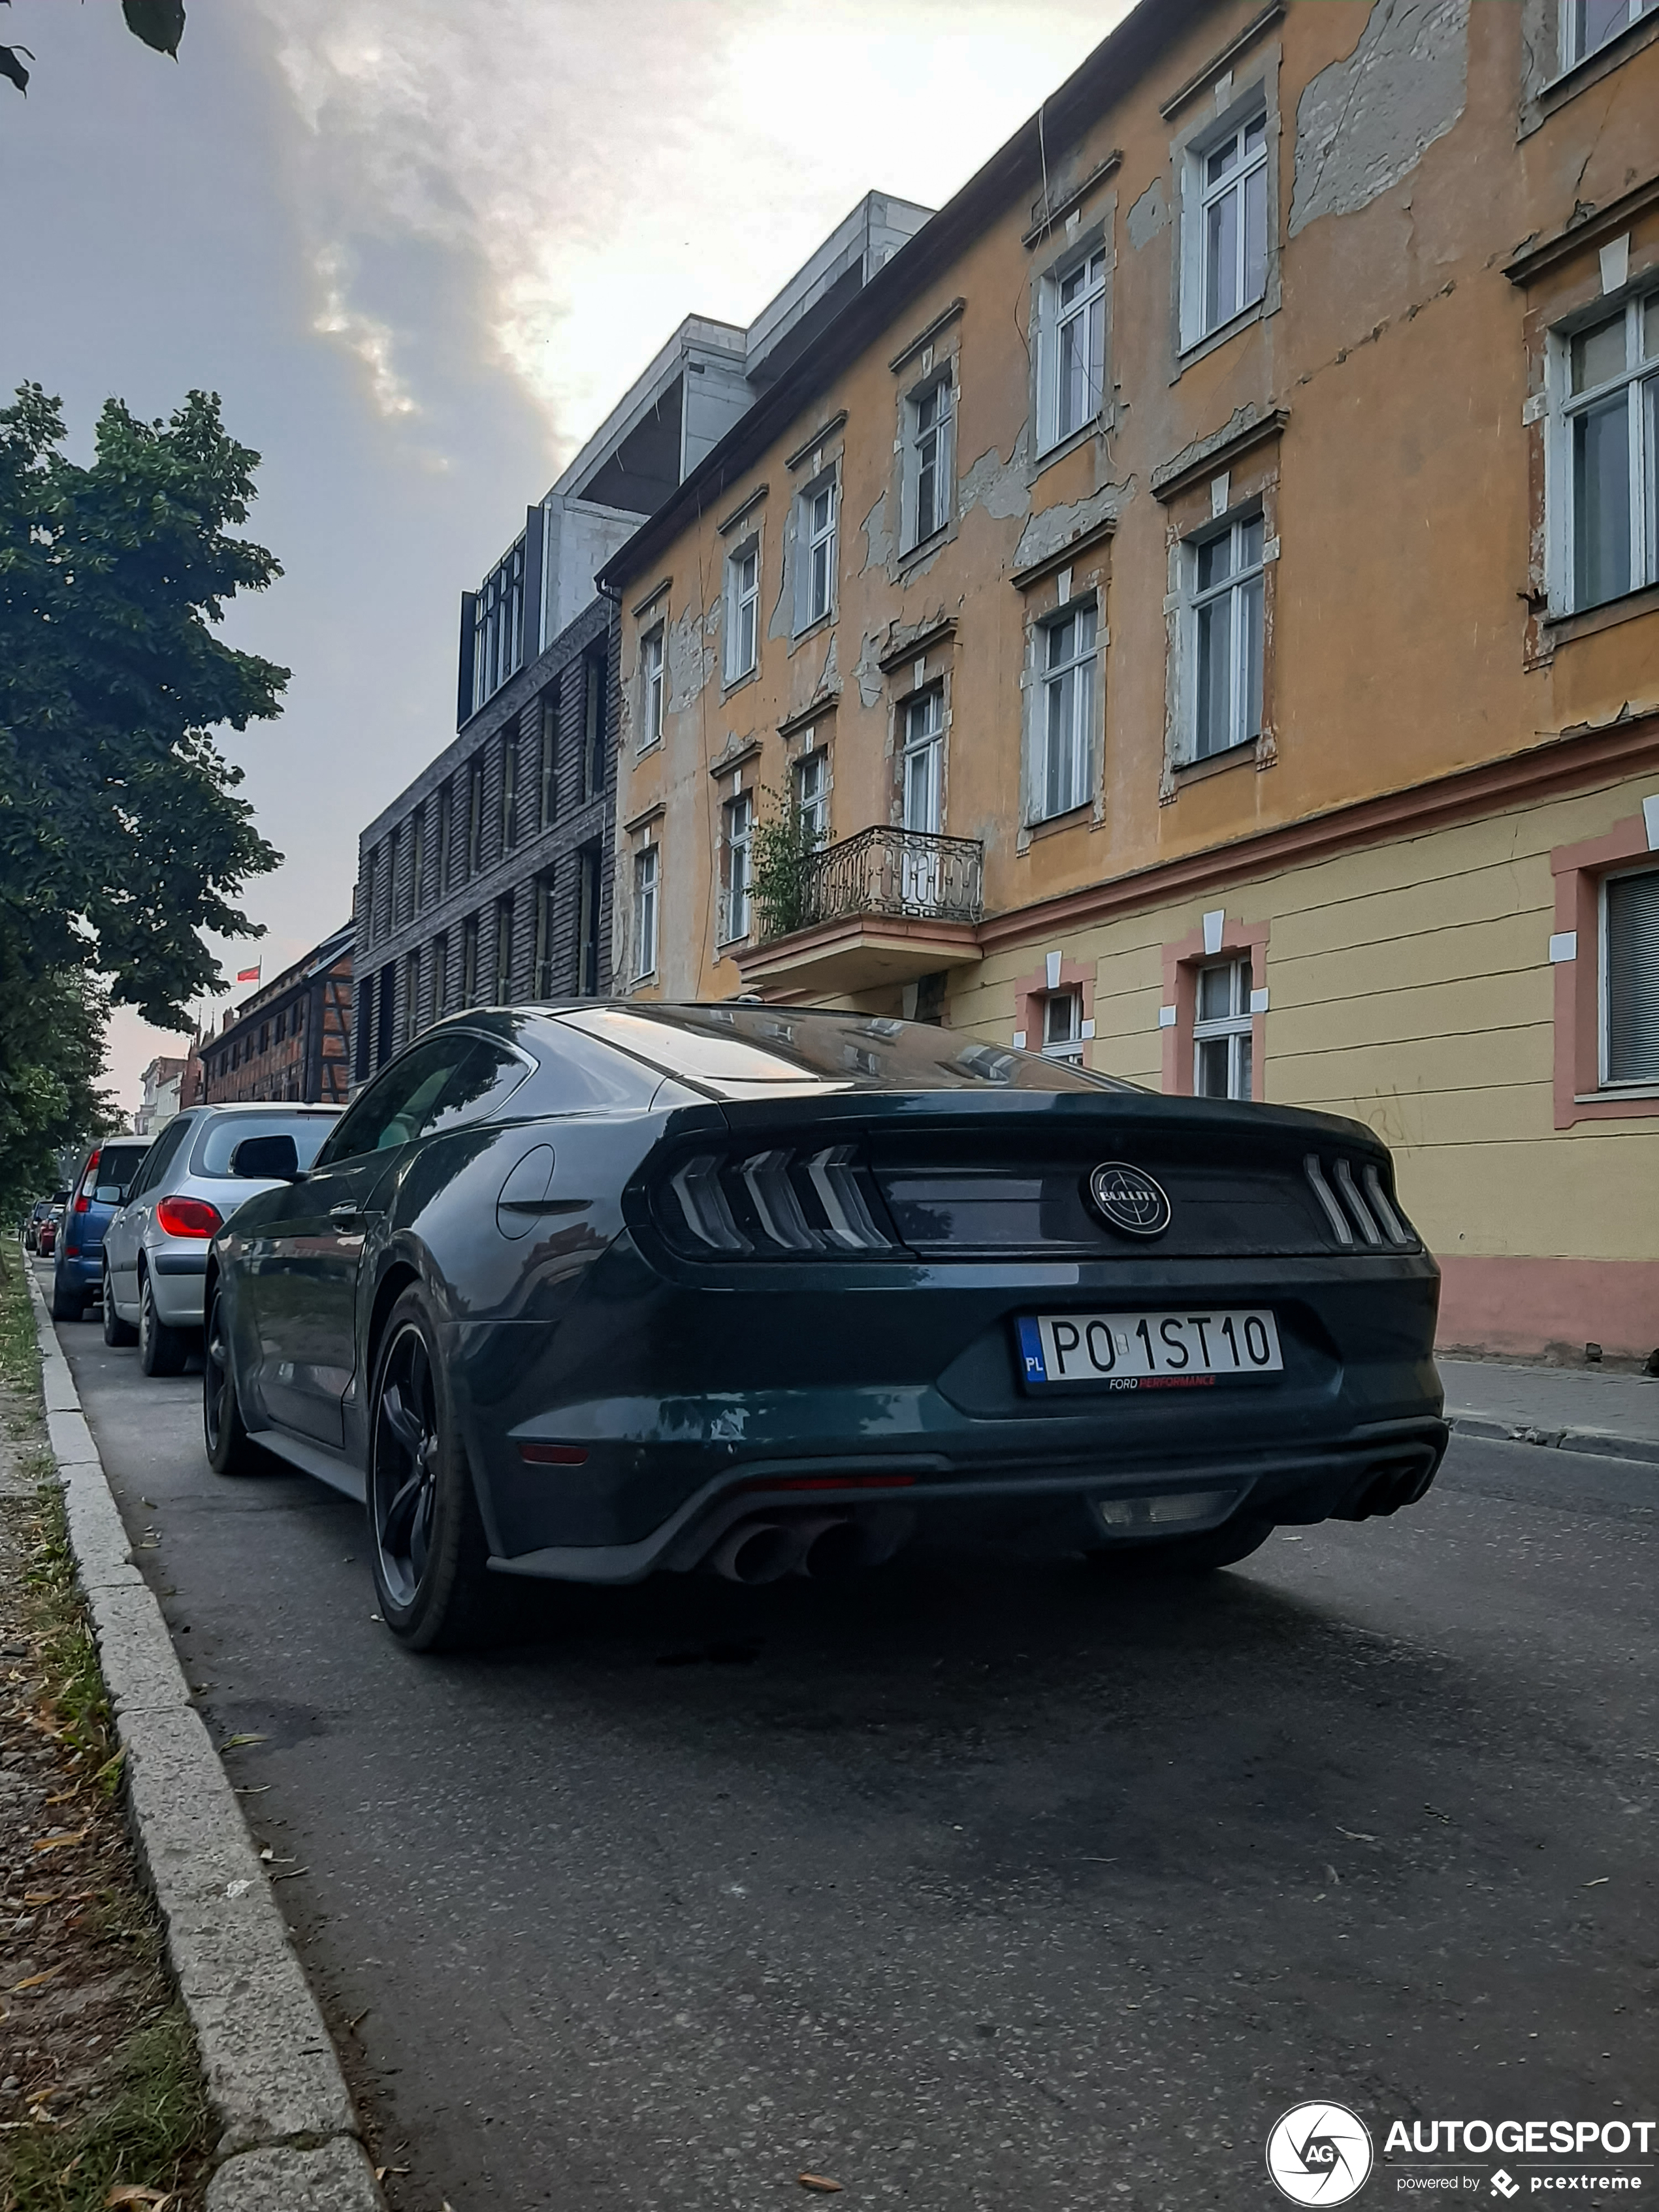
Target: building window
x=1630, y=979
x=812, y=796
x=547, y=760
x=1067, y=648
x=384, y=1033
x=446, y=810
x=924, y=761
x=509, y=823
x=281, y=1027
x=928, y=469
x=416, y=859
x=542, y=981
x=371, y=886
x=647, y=868
x=815, y=588
x=1062, y=1026
x=1233, y=217
x=469, y=961
x=394, y=894
x=1072, y=348
x=653, y=687
x=1221, y=1031
x=737, y=856
x=502, y=995
x=412, y=997
x=742, y=612
x=498, y=627
x=1225, y=632
x=440, y=977
x=593, y=707
x=1610, y=466
x=588, y=921
x=475, y=789
x=1587, y=25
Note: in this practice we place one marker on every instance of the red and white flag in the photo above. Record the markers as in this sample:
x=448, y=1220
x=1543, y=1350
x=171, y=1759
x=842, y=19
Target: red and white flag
x=249, y=975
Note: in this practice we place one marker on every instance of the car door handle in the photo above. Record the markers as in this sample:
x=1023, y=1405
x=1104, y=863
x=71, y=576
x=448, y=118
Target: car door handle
x=344, y=1212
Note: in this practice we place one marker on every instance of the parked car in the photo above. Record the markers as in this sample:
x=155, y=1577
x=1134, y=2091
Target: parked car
x=156, y=1247
x=582, y=1292
x=39, y=1213
x=45, y=1237
x=101, y=1183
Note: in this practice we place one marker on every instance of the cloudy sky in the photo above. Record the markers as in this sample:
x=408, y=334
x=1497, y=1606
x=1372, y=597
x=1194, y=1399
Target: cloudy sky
x=420, y=247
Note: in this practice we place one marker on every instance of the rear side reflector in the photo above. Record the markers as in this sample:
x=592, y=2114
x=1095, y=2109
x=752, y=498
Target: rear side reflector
x=535, y=1454
x=188, y=1216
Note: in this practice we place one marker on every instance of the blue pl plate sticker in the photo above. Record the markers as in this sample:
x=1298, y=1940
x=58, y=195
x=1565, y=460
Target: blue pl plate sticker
x=1031, y=1351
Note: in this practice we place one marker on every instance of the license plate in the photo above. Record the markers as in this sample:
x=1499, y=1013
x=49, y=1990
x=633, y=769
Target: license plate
x=1149, y=1350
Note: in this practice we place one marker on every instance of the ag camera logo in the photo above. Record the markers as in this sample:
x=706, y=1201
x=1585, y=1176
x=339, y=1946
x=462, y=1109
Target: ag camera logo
x=1319, y=2154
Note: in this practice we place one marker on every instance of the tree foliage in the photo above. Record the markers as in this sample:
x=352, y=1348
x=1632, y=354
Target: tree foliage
x=121, y=834
x=159, y=23
x=781, y=850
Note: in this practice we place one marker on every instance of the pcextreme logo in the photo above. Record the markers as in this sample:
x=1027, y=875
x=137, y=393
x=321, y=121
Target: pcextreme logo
x=1319, y=2154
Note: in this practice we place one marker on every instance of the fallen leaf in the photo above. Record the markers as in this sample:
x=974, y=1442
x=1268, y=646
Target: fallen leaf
x=235, y=1743
x=33, y=1981
x=39, y=1897
x=61, y=1843
x=820, y=2181
x=1354, y=1835
x=134, y=2192
x=1598, y=1881
x=63, y=1795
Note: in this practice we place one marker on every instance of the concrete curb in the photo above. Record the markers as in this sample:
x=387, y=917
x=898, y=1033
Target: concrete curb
x=289, y=2134
x=1603, y=1443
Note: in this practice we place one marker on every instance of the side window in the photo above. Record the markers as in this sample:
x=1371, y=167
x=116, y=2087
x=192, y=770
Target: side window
x=484, y=1080
x=390, y=1110
x=161, y=1154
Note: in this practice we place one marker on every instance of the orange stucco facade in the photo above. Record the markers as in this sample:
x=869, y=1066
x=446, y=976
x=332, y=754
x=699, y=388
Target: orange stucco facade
x=1443, y=209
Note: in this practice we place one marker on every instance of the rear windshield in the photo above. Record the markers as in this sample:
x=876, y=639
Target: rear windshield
x=738, y=1050
x=118, y=1163
x=223, y=1133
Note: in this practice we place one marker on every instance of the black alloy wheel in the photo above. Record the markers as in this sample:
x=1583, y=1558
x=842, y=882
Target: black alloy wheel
x=230, y=1449
x=162, y=1350
x=1200, y=1553
x=116, y=1332
x=428, y=1540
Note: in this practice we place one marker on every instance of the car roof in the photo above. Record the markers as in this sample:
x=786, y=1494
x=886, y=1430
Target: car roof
x=264, y=1106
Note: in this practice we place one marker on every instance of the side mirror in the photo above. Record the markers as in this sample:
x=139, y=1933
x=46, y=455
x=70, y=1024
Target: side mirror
x=267, y=1159
x=109, y=1193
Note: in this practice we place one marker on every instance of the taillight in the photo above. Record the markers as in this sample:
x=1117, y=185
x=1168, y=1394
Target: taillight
x=774, y=1202
x=188, y=1216
x=83, y=1204
x=1371, y=1213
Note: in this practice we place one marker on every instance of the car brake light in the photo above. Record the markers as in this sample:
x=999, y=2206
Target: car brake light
x=188, y=1216
x=82, y=1204
x=774, y=1201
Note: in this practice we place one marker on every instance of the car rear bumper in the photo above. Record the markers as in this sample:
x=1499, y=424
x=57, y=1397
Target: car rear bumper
x=176, y=1275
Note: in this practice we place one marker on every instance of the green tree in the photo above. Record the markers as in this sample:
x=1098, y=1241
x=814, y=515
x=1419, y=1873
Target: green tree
x=159, y=23
x=121, y=834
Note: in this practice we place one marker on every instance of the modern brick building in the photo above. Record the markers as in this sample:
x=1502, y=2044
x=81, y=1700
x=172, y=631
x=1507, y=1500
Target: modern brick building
x=292, y=1039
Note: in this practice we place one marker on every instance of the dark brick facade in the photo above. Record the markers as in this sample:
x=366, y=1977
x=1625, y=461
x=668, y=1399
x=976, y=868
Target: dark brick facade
x=291, y=1040
x=436, y=888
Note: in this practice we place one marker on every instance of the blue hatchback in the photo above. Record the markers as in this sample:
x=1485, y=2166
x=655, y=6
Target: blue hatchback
x=100, y=1187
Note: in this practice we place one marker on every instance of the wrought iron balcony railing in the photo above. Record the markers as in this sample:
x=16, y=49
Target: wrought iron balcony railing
x=883, y=871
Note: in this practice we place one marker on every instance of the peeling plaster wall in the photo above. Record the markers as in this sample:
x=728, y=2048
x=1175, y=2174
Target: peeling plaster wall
x=1047, y=532
x=693, y=656
x=1002, y=488
x=1363, y=124
x=1149, y=216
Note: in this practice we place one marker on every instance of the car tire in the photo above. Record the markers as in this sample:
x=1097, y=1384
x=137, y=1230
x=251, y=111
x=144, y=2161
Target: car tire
x=162, y=1350
x=117, y=1332
x=426, y=1538
x=230, y=1449
x=1202, y=1553
x=67, y=1302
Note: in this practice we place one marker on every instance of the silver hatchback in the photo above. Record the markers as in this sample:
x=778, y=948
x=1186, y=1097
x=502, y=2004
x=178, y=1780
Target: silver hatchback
x=156, y=1249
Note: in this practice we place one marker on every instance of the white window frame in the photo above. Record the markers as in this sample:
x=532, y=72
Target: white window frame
x=813, y=540
x=1199, y=196
x=1625, y=1086
x=1240, y=583
x=647, y=886
x=1236, y=1027
x=1639, y=382
x=1062, y=1026
x=743, y=606
x=653, y=685
x=928, y=443
x=812, y=793
x=738, y=835
x=924, y=722
x=1573, y=51
x=1059, y=319
x=1066, y=687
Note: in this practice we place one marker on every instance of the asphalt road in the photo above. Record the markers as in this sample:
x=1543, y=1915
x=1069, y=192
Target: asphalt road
x=982, y=1885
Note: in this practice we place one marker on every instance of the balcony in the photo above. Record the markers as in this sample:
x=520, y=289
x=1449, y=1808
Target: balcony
x=882, y=908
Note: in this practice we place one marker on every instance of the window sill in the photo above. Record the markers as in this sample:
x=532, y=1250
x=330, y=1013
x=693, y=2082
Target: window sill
x=1616, y=1095
x=925, y=546
x=1590, y=69
x=1196, y=771
x=1190, y=355
x=1561, y=630
x=733, y=684
x=817, y=623
x=1072, y=818
x=1094, y=427
x=644, y=752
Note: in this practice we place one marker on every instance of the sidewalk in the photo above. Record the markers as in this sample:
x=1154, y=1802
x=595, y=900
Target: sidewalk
x=1574, y=1409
